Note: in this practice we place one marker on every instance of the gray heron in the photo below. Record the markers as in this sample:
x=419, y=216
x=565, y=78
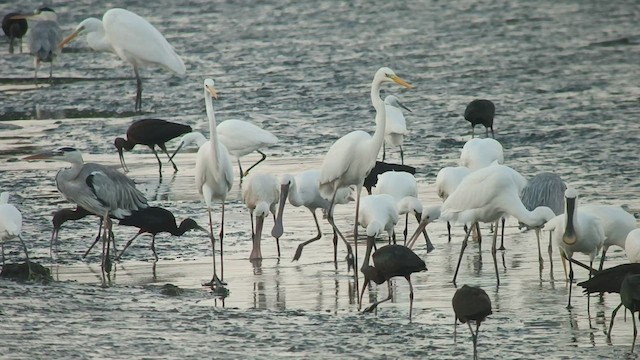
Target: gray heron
x=99, y=189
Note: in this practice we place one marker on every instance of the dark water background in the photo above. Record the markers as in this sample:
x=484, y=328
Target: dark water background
x=563, y=76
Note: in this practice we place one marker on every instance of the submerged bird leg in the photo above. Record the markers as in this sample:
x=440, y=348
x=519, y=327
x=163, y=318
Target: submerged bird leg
x=153, y=148
x=256, y=163
x=221, y=246
x=350, y=258
x=163, y=147
x=153, y=247
x=464, y=245
x=455, y=325
x=215, y=283
x=613, y=316
x=537, y=230
x=501, y=234
x=473, y=128
x=126, y=246
x=473, y=338
x=355, y=233
x=36, y=65
x=410, y=296
x=138, y=106
x=277, y=237
x=493, y=251
x=364, y=286
x=51, y=72
x=550, y=251
x=317, y=237
x=401, y=155
x=96, y=241
x=635, y=331
x=26, y=254
x=375, y=304
x=449, y=230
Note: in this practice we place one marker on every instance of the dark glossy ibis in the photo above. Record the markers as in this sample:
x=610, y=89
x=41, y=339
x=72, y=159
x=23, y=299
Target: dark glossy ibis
x=154, y=220
x=480, y=111
x=382, y=167
x=14, y=29
x=390, y=261
x=150, y=132
x=471, y=303
x=630, y=298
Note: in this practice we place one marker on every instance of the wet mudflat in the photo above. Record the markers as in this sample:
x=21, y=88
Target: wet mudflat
x=562, y=75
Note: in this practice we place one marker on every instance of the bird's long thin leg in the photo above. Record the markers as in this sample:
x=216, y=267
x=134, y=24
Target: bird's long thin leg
x=570, y=283
x=221, y=246
x=96, y=241
x=613, y=316
x=635, y=331
x=54, y=237
x=277, y=238
x=492, y=134
x=477, y=333
x=364, y=286
x=26, y=254
x=355, y=234
x=240, y=167
x=540, y=261
x=384, y=151
x=153, y=148
x=401, y=155
x=589, y=297
x=36, y=65
x=473, y=338
x=455, y=326
x=464, y=245
x=473, y=131
x=375, y=304
x=153, y=247
x=138, y=106
x=550, y=251
x=604, y=252
x=406, y=227
x=51, y=72
x=494, y=250
x=410, y=296
x=163, y=147
x=350, y=258
x=216, y=283
x=256, y=163
x=477, y=226
x=317, y=237
x=449, y=230
x=501, y=234
x=253, y=231
x=126, y=246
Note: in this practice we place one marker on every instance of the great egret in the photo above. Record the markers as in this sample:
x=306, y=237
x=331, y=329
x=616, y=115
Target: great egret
x=545, y=189
x=260, y=196
x=150, y=132
x=487, y=195
x=380, y=168
x=480, y=111
x=396, y=127
x=214, y=177
x=303, y=190
x=14, y=29
x=11, y=226
x=616, y=223
x=632, y=246
x=576, y=231
x=43, y=38
x=447, y=181
x=155, y=220
x=471, y=303
x=404, y=189
x=351, y=157
x=134, y=40
x=97, y=188
x=390, y=261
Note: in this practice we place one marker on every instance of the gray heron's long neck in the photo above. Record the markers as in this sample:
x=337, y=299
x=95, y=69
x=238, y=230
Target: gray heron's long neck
x=213, y=134
x=381, y=117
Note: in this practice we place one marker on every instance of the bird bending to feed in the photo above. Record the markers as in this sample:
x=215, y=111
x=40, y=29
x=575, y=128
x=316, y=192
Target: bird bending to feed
x=154, y=220
x=150, y=132
x=43, y=38
x=447, y=181
x=630, y=298
x=303, y=190
x=396, y=127
x=429, y=215
x=214, y=177
x=63, y=215
x=99, y=189
x=11, y=226
x=379, y=214
x=261, y=195
x=14, y=29
x=487, y=195
x=545, y=189
x=609, y=280
x=380, y=168
x=471, y=303
x=480, y=111
x=576, y=231
x=133, y=39
x=352, y=157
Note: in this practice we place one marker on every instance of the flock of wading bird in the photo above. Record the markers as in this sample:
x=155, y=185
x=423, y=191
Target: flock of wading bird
x=481, y=189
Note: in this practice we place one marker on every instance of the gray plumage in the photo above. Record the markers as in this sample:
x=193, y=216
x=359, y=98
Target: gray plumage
x=544, y=189
x=44, y=37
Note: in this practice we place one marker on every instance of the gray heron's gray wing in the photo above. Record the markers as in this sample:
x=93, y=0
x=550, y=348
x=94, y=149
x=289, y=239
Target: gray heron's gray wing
x=44, y=38
x=114, y=190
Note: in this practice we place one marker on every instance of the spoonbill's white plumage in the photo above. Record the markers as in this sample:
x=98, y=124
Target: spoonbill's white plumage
x=379, y=215
x=396, y=127
x=632, y=246
x=133, y=39
x=11, y=226
x=214, y=177
x=616, y=223
x=447, y=181
x=303, y=190
x=487, y=195
x=260, y=195
x=352, y=157
x=479, y=153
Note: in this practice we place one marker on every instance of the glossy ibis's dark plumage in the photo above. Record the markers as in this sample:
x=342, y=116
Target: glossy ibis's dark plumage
x=155, y=220
x=609, y=280
x=150, y=132
x=390, y=261
x=630, y=298
x=14, y=29
x=480, y=111
x=381, y=167
x=471, y=303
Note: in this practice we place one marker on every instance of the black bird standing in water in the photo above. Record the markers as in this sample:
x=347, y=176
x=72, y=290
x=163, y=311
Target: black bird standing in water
x=150, y=132
x=480, y=111
x=390, y=261
x=14, y=29
x=471, y=303
x=155, y=220
x=382, y=167
x=630, y=298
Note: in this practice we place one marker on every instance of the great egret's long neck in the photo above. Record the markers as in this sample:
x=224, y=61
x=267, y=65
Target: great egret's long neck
x=213, y=134
x=97, y=40
x=381, y=116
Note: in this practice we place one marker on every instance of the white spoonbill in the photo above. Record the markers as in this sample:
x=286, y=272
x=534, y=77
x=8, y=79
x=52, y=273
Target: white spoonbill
x=429, y=214
x=616, y=222
x=214, y=177
x=11, y=226
x=447, y=181
x=303, y=190
x=396, y=127
x=576, y=231
x=261, y=195
x=378, y=215
x=404, y=189
x=352, y=157
x=487, y=195
x=632, y=246
x=133, y=39
x=479, y=153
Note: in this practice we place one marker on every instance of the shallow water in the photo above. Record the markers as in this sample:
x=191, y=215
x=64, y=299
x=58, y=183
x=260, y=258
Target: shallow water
x=562, y=75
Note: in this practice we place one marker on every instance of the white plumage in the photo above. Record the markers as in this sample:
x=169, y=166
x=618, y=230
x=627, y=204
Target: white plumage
x=260, y=195
x=478, y=153
x=242, y=138
x=378, y=215
x=632, y=246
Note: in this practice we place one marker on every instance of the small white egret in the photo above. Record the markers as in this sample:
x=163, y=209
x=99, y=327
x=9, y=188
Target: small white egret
x=260, y=195
x=133, y=39
x=396, y=127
